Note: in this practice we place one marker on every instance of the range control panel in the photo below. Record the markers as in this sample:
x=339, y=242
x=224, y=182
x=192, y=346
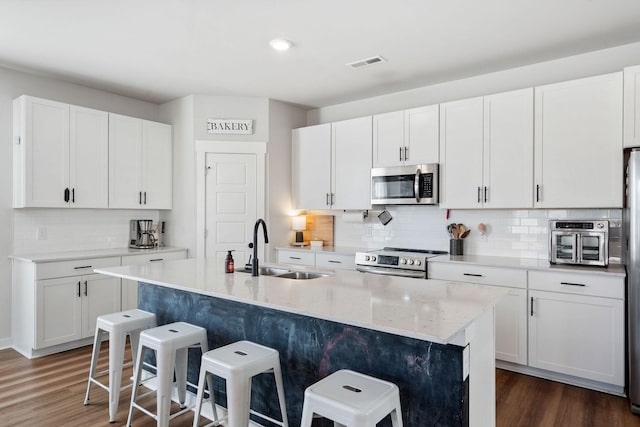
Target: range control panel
x=399, y=261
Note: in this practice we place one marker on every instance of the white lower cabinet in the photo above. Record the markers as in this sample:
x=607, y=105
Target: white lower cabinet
x=511, y=311
x=330, y=260
x=130, y=287
x=67, y=308
x=576, y=325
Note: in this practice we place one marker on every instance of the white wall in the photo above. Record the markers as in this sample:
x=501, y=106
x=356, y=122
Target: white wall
x=65, y=228
x=573, y=67
x=181, y=220
x=282, y=118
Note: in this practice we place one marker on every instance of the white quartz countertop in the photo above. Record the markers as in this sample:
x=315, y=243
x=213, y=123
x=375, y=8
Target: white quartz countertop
x=343, y=250
x=88, y=254
x=431, y=310
x=529, y=264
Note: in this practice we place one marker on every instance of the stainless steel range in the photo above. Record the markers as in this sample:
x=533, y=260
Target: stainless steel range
x=396, y=261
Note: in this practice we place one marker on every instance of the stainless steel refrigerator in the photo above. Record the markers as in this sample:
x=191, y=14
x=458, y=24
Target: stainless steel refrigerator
x=631, y=218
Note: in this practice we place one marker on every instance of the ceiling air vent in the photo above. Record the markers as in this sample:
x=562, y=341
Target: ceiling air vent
x=366, y=62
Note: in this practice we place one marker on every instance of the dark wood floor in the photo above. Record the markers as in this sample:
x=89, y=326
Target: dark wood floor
x=50, y=391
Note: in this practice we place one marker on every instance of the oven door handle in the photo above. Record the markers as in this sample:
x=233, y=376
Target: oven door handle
x=416, y=185
x=391, y=272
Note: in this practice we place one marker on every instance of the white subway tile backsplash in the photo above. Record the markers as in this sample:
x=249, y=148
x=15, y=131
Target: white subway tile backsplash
x=510, y=233
x=73, y=229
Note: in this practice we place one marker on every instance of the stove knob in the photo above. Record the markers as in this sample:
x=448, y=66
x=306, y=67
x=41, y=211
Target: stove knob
x=410, y=261
x=418, y=262
x=403, y=261
x=373, y=257
x=367, y=257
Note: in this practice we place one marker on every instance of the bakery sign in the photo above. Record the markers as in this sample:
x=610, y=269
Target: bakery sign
x=230, y=126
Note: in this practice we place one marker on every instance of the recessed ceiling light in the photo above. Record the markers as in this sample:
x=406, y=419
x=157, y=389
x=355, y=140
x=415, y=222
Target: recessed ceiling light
x=280, y=44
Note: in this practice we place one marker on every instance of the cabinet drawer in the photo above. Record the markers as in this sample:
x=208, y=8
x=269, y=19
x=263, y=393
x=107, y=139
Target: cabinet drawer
x=335, y=261
x=512, y=277
x=155, y=257
x=582, y=284
x=49, y=270
x=297, y=257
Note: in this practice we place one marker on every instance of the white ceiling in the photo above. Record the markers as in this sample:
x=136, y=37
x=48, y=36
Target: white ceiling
x=158, y=50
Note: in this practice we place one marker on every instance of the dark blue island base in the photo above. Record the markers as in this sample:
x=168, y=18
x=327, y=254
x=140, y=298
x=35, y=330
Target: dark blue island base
x=429, y=375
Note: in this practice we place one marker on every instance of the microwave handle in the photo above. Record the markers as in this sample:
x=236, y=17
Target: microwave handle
x=416, y=185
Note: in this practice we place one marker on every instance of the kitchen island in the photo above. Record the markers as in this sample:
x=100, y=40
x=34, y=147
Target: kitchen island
x=434, y=339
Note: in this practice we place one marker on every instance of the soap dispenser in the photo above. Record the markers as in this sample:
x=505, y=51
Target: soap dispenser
x=228, y=263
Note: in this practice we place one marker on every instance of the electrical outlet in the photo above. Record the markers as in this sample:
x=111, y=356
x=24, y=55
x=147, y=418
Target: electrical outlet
x=41, y=233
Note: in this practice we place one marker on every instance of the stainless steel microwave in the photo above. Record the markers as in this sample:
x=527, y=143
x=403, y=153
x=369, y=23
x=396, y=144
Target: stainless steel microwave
x=405, y=185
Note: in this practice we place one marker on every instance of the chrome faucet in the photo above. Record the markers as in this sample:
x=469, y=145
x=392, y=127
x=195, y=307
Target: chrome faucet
x=254, y=265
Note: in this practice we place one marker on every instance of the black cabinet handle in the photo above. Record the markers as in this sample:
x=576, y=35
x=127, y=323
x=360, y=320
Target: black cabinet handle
x=573, y=284
x=537, y=192
x=86, y=291
x=145, y=197
x=400, y=156
x=157, y=259
x=532, y=306
x=139, y=197
x=327, y=201
x=485, y=194
x=66, y=195
x=81, y=267
x=78, y=289
x=73, y=195
x=295, y=257
x=479, y=191
x=335, y=262
x=472, y=274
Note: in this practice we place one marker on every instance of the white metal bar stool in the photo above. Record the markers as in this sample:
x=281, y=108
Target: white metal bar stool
x=238, y=363
x=171, y=343
x=352, y=399
x=118, y=326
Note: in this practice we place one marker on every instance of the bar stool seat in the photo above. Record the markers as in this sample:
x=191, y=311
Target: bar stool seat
x=238, y=363
x=171, y=343
x=117, y=326
x=352, y=399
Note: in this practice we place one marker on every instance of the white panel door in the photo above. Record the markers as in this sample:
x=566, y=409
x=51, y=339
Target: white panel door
x=311, y=168
x=421, y=135
x=58, y=311
x=46, y=142
x=511, y=327
x=157, y=155
x=508, y=150
x=632, y=107
x=461, y=135
x=231, y=201
x=388, y=139
x=88, y=158
x=125, y=162
x=578, y=143
x=351, y=146
x=101, y=295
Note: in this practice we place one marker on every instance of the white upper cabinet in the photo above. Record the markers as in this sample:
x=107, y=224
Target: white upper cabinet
x=487, y=151
x=508, y=150
x=332, y=165
x=461, y=133
x=311, y=169
x=89, y=158
x=140, y=167
x=578, y=143
x=351, y=167
x=406, y=137
x=60, y=155
x=632, y=107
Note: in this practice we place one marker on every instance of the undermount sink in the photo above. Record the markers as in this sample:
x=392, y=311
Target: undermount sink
x=285, y=273
x=272, y=271
x=302, y=275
